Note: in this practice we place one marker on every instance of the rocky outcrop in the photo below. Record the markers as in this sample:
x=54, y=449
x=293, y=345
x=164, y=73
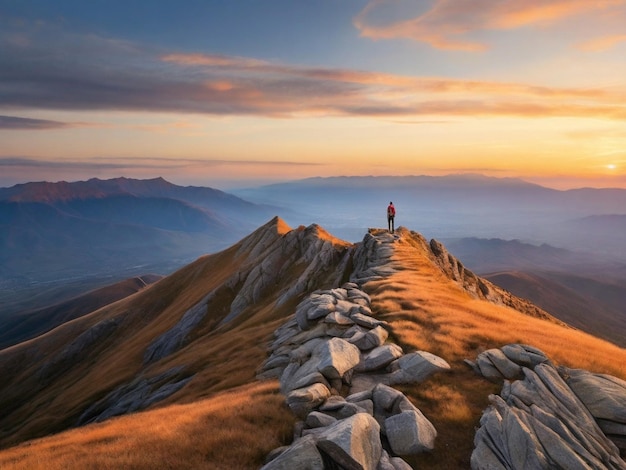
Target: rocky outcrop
x=137, y=395
x=310, y=250
x=80, y=347
x=174, y=338
x=265, y=256
x=546, y=417
x=455, y=270
x=335, y=368
x=478, y=287
x=605, y=398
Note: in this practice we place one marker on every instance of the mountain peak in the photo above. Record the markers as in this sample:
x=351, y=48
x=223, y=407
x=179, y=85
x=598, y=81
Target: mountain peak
x=204, y=333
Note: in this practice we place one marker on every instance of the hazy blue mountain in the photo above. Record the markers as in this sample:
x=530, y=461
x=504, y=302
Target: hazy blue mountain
x=489, y=255
x=53, y=233
x=451, y=206
x=587, y=291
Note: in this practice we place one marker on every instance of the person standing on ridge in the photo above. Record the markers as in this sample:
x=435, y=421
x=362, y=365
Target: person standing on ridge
x=391, y=214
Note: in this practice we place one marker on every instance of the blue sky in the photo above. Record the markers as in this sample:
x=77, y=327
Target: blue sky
x=229, y=93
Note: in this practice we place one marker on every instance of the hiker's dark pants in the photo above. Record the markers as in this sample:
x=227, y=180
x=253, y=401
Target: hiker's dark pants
x=390, y=223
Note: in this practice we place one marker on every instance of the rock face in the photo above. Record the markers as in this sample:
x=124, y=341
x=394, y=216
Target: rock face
x=335, y=368
x=546, y=417
x=137, y=395
x=479, y=287
x=77, y=348
x=310, y=247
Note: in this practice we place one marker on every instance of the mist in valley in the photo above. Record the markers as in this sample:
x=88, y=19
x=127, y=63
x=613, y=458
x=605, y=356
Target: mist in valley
x=62, y=240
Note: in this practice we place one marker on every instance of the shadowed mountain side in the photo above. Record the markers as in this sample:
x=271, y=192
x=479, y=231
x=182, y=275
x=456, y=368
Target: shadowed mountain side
x=604, y=232
x=27, y=325
x=203, y=332
x=584, y=290
x=41, y=247
x=51, y=232
x=567, y=297
x=234, y=297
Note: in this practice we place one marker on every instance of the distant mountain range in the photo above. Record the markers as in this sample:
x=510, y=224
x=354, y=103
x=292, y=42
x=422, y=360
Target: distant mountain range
x=458, y=206
x=583, y=290
x=60, y=239
x=51, y=232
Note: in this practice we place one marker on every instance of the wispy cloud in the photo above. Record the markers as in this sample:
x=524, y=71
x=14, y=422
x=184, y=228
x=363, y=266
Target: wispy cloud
x=450, y=24
x=141, y=163
x=603, y=43
x=17, y=123
x=51, y=69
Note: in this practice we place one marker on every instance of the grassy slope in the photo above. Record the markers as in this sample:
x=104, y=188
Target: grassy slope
x=429, y=312
x=228, y=424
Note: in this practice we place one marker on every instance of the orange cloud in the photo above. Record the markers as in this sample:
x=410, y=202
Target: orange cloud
x=213, y=60
x=243, y=86
x=448, y=23
x=603, y=43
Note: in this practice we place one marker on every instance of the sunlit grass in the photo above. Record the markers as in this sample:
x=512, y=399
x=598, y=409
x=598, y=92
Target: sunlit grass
x=427, y=311
x=224, y=419
x=232, y=430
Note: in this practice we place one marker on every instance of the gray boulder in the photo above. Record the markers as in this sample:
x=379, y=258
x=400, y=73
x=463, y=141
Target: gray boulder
x=525, y=355
x=603, y=395
x=303, y=400
x=416, y=367
x=301, y=455
x=337, y=357
x=367, y=340
x=410, y=433
x=379, y=358
x=353, y=443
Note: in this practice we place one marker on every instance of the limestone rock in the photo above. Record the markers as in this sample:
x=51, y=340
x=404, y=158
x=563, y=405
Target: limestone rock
x=173, y=339
x=315, y=419
x=301, y=455
x=337, y=357
x=410, y=433
x=603, y=395
x=353, y=443
x=417, y=367
x=524, y=355
x=371, y=339
x=136, y=395
x=539, y=422
x=379, y=358
x=303, y=400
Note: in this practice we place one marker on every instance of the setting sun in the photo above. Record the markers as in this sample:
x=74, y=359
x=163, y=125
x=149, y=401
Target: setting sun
x=390, y=88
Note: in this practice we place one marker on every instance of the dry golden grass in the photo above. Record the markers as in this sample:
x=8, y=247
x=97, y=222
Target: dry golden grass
x=223, y=419
x=232, y=430
x=428, y=311
x=220, y=358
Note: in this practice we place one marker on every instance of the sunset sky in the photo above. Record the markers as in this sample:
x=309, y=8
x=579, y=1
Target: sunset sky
x=236, y=93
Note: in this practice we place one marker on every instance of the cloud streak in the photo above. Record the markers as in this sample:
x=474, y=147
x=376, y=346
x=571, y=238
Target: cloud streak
x=48, y=69
x=451, y=24
x=99, y=163
x=19, y=123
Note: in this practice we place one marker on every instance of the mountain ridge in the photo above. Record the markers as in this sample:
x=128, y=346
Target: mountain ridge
x=213, y=318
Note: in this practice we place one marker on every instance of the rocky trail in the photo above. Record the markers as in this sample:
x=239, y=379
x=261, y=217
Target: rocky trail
x=338, y=365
